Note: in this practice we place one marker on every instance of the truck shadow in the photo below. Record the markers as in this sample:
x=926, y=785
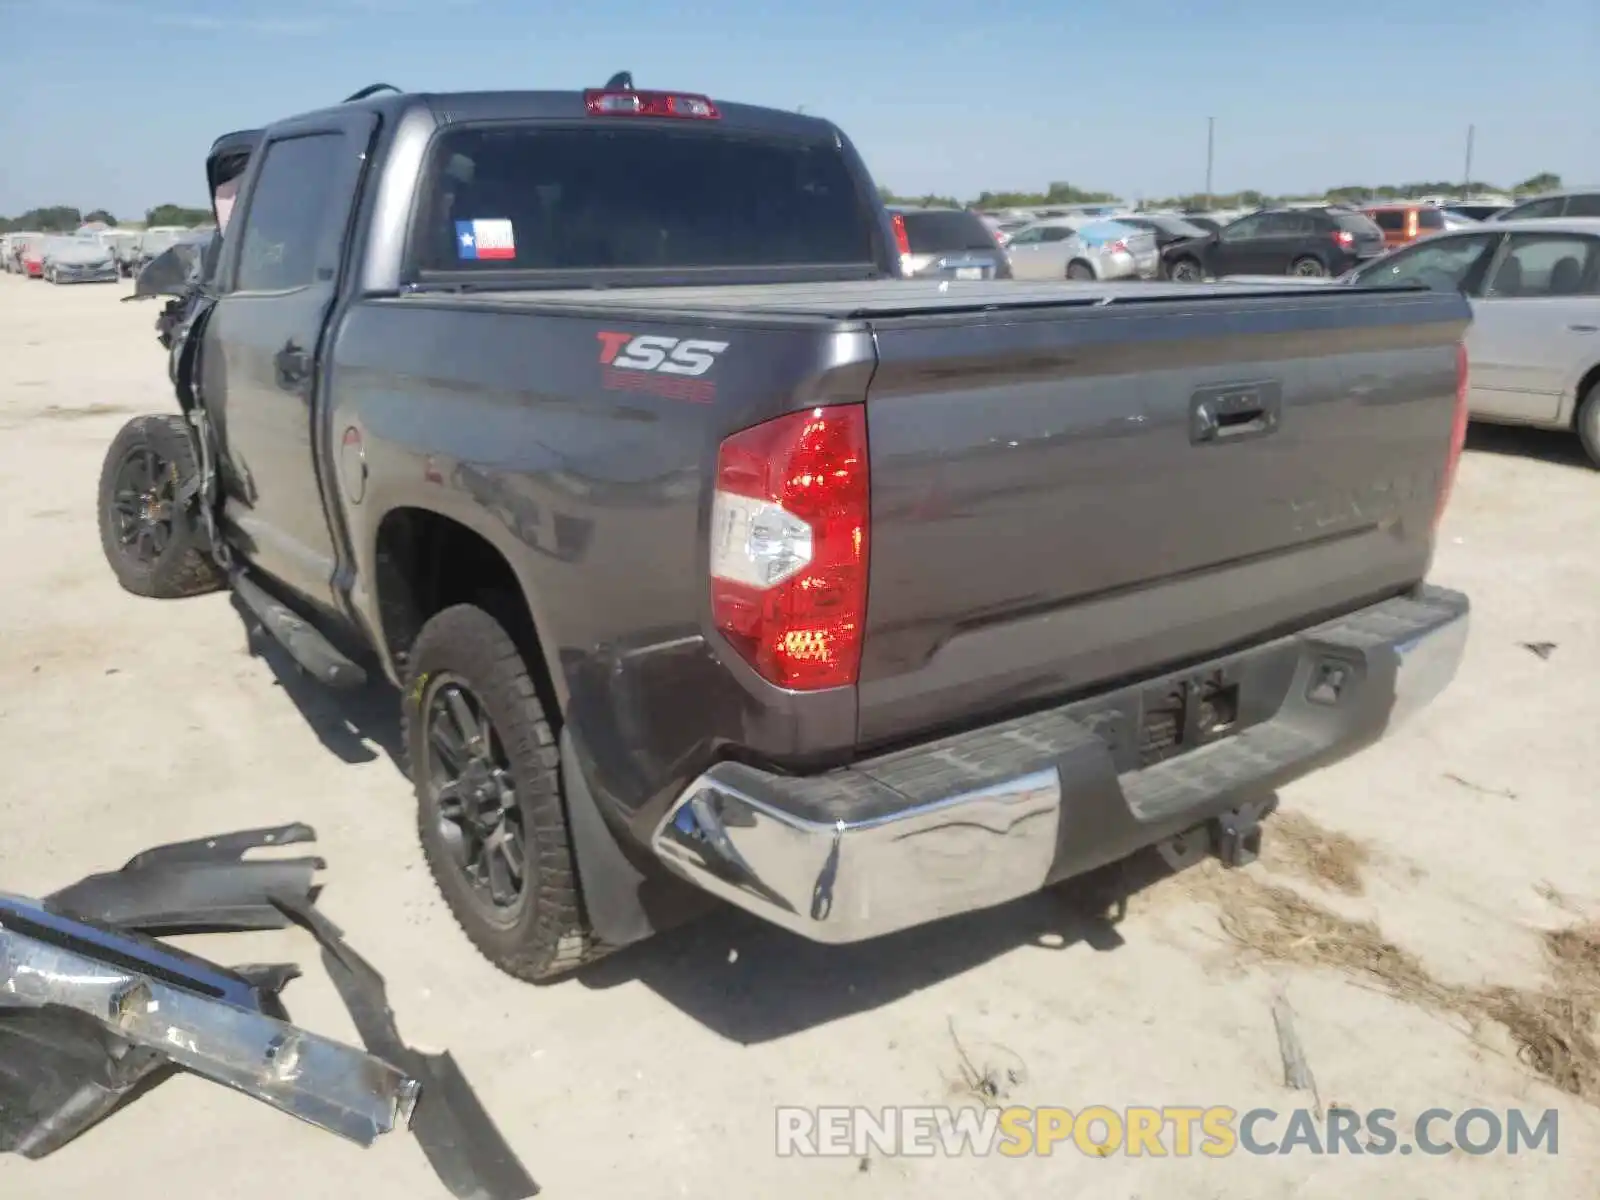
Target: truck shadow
x=1520, y=441
x=356, y=726
x=751, y=982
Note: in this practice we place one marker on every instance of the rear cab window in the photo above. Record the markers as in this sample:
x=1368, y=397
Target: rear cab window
x=1357, y=223
x=1430, y=218
x=1390, y=220
x=564, y=198
x=940, y=232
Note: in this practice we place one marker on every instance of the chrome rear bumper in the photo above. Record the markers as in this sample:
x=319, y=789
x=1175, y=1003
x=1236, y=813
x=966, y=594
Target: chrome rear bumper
x=981, y=818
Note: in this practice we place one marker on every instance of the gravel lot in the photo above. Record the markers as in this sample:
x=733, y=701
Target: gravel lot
x=126, y=722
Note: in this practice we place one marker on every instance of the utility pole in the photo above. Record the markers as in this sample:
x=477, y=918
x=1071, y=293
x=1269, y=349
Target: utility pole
x=1211, y=132
x=1466, y=178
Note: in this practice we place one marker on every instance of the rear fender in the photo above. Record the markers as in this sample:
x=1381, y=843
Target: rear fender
x=450, y=500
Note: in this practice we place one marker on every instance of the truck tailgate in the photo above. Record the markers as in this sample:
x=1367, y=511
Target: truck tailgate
x=1066, y=496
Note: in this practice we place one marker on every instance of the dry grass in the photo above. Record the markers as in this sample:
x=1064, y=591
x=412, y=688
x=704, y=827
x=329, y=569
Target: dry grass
x=1552, y=1026
x=1297, y=845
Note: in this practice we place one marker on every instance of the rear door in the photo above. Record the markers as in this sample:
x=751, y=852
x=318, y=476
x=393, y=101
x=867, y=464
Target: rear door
x=1238, y=247
x=278, y=281
x=1536, y=326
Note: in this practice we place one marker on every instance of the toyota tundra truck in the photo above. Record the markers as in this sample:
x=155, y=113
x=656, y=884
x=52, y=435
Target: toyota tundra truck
x=714, y=560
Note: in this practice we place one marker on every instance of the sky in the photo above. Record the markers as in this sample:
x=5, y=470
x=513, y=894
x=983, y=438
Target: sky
x=113, y=103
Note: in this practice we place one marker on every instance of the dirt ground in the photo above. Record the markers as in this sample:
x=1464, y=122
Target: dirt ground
x=1401, y=889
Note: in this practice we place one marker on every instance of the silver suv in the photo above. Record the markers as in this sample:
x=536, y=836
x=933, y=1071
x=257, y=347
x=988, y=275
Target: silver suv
x=1574, y=202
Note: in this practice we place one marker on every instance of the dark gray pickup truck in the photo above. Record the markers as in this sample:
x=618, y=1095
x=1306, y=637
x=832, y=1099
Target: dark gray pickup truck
x=714, y=559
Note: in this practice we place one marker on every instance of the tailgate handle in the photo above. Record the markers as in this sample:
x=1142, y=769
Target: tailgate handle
x=1233, y=414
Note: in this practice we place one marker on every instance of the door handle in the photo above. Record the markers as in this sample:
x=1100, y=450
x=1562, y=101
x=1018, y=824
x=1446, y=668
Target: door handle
x=293, y=365
x=1583, y=328
x=1233, y=414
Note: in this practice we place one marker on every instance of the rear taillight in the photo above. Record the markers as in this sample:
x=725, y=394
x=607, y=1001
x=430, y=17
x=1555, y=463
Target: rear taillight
x=602, y=103
x=1117, y=247
x=789, y=546
x=1458, y=435
x=902, y=242
x=1344, y=238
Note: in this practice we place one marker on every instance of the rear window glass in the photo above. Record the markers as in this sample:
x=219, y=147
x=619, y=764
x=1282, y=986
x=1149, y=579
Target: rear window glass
x=1390, y=219
x=936, y=232
x=541, y=198
x=1430, y=218
x=1355, y=223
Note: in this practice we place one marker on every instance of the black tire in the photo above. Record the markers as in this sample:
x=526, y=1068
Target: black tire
x=1308, y=267
x=1588, y=424
x=1186, y=270
x=1080, y=272
x=464, y=653
x=153, y=542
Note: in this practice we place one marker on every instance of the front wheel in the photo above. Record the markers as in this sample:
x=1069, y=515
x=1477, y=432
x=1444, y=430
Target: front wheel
x=487, y=773
x=1588, y=423
x=1307, y=268
x=1186, y=270
x=149, y=529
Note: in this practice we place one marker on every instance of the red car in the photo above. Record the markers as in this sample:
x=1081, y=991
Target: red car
x=32, y=258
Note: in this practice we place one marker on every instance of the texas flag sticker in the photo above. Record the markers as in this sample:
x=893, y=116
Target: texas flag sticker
x=485, y=239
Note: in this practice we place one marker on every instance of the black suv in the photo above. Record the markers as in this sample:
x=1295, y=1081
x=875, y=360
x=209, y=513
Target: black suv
x=1285, y=241
x=947, y=243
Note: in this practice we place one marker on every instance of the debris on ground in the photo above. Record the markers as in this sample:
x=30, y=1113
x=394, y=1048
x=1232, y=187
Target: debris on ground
x=1296, y=1070
x=1542, y=649
x=1503, y=793
x=94, y=1011
x=993, y=1083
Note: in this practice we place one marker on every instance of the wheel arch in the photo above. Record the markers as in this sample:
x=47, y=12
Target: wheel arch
x=424, y=560
x=1586, y=383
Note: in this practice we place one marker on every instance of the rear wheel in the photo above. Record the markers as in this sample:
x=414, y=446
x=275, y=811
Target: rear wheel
x=1186, y=270
x=1588, y=423
x=1080, y=272
x=487, y=773
x=1308, y=268
x=151, y=534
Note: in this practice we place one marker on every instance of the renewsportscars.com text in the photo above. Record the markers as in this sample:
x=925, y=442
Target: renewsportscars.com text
x=1160, y=1132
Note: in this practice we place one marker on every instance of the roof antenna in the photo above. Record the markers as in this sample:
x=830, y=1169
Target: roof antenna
x=372, y=89
x=622, y=81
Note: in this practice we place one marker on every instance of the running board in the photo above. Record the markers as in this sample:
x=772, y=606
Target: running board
x=304, y=643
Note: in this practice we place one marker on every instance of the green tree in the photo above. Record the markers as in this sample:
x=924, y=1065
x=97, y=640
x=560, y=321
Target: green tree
x=1544, y=181
x=177, y=214
x=99, y=214
x=57, y=218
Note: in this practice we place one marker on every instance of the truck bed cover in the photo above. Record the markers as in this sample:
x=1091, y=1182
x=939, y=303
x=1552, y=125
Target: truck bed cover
x=887, y=298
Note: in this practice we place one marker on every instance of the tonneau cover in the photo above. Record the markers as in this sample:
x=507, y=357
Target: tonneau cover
x=887, y=297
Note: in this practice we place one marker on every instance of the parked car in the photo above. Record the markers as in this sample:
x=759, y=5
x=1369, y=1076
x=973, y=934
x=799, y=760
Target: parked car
x=1166, y=227
x=1069, y=248
x=31, y=254
x=947, y=243
x=1474, y=211
x=1310, y=242
x=1206, y=224
x=1402, y=223
x=1575, y=202
x=1534, y=345
x=714, y=559
x=80, y=260
x=154, y=241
